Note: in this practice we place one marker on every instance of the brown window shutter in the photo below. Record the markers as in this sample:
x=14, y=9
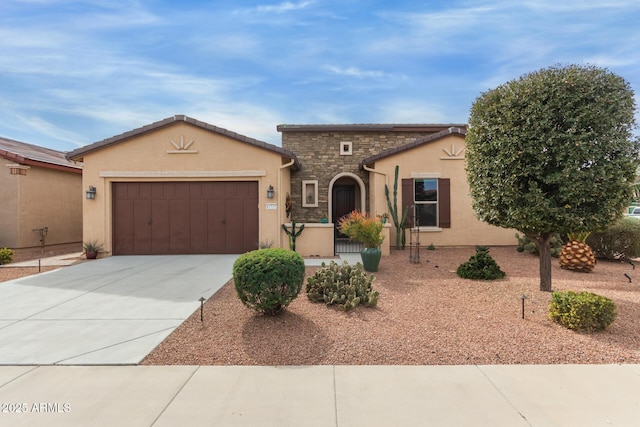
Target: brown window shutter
x=407, y=200
x=444, y=202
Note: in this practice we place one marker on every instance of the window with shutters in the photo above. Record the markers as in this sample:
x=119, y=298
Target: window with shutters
x=425, y=199
x=429, y=202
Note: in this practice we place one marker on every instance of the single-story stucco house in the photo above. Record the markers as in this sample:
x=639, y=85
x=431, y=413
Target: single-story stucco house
x=40, y=196
x=346, y=167
x=180, y=185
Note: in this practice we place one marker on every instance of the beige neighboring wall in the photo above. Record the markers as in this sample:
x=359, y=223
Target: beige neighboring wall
x=181, y=152
x=43, y=197
x=437, y=158
x=9, y=207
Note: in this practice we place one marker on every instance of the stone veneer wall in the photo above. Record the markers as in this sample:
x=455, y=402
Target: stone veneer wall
x=319, y=155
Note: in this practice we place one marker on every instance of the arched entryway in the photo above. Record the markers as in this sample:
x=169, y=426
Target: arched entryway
x=346, y=193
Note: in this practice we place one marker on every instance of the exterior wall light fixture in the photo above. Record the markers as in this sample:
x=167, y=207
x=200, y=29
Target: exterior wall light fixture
x=91, y=192
x=270, y=192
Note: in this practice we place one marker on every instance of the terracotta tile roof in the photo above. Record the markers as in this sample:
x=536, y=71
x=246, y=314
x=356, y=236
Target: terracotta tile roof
x=33, y=155
x=462, y=131
x=80, y=152
x=391, y=127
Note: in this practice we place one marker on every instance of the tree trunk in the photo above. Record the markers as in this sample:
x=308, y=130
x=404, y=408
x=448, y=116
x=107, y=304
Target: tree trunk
x=545, y=260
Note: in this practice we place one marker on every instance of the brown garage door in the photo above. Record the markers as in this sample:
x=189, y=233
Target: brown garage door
x=184, y=217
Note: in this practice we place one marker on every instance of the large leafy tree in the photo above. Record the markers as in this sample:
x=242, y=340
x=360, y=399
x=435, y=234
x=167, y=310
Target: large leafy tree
x=553, y=151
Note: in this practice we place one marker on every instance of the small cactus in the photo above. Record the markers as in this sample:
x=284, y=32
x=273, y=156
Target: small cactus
x=293, y=234
x=345, y=286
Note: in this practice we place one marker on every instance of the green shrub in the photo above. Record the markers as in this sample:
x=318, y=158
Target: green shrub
x=524, y=244
x=582, y=311
x=481, y=266
x=267, y=280
x=620, y=241
x=343, y=285
x=6, y=256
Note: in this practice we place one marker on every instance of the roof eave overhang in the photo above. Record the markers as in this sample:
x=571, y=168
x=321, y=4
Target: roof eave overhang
x=30, y=162
x=369, y=161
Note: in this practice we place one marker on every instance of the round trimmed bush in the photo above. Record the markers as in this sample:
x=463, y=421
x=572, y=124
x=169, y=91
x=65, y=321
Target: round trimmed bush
x=620, y=241
x=6, y=255
x=267, y=280
x=582, y=311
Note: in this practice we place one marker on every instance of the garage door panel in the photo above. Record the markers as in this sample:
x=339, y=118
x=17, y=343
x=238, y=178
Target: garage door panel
x=250, y=224
x=143, y=189
x=142, y=222
x=123, y=241
x=160, y=227
x=198, y=225
x=185, y=217
x=179, y=227
x=233, y=229
x=216, y=227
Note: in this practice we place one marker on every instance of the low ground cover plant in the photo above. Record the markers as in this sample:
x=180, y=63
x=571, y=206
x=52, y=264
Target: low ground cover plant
x=582, y=311
x=267, y=280
x=345, y=286
x=481, y=266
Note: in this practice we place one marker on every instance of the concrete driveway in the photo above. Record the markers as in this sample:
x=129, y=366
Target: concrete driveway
x=109, y=311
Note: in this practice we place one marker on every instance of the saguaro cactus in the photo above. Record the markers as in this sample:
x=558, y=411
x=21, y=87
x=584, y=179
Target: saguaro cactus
x=293, y=234
x=399, y=223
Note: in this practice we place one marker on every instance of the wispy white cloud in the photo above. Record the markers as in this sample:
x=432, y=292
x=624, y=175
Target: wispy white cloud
x=355, y=72
x=84, y=70
x=283, y=7
x=410, y=111
x=52, y=130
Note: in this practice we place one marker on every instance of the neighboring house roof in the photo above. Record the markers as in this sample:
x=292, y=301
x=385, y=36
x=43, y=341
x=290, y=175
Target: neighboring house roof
x=460, y=131
x=79, y=153
x=392, y=127
x=33, y=155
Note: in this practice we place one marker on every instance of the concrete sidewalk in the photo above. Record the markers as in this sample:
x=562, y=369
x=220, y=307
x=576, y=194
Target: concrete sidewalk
x=341, y=396
x=59, y=260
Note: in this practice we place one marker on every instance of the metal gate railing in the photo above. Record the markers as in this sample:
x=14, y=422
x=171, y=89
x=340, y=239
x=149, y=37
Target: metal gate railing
x=342, y=245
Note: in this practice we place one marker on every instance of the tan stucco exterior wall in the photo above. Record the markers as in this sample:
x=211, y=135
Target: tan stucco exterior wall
x=42, y=198
x=9, y=203
x=432, y=158
x=202, y=155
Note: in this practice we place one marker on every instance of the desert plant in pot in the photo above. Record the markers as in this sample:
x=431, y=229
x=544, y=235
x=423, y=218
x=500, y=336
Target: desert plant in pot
x=368, y=231
x=91, y=249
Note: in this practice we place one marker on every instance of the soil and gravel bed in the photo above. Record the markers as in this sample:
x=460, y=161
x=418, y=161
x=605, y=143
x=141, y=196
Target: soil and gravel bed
x=426, y=315
x=10, y=273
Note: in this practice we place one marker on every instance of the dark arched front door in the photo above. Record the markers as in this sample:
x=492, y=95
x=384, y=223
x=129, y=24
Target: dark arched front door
x=344, y=201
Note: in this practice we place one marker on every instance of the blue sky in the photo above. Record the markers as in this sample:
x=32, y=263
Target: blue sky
x=76, y=72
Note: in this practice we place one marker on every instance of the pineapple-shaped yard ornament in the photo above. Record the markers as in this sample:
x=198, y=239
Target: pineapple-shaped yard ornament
x=576, y=255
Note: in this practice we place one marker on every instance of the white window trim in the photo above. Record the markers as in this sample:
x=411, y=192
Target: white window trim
x=346, y=148
x=428, y=175
x=305, y=194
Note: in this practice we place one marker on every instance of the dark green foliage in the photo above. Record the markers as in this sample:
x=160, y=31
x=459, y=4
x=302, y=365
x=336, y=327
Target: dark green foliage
x=267, y=280
x=582, y=311
x=343, y=285
x=524, y=244
x=6, y=255
x=619, y=241
x=481, y=266
x=293, y=234
x=431, y=247
x=553, y=151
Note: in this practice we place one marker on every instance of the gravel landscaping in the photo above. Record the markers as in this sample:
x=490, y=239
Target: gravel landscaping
x=426, y=315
